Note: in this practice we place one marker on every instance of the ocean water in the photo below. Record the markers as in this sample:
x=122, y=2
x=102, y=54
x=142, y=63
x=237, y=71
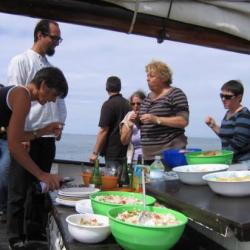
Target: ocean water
x=78, y=147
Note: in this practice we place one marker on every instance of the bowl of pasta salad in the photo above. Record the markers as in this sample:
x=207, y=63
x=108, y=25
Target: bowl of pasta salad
x=161, y=230
x=192, y=174
x=103, y=201
x=88, y=228
x=229, y=183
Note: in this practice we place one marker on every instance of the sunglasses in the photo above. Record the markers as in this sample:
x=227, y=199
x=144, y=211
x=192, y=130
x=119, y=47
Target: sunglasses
x=57, y=39
x=227, y=97
x=135, y=103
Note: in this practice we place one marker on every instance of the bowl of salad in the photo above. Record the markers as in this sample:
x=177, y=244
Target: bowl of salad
x=103, y=201
x=88, y=228
x=229, y=183
x=210, y=157
x=161, y=229
x=192, y=174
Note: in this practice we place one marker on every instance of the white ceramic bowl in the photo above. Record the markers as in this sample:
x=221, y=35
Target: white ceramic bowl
x=192, y=174
x=88, y=234
x=232, y=185
x=84, y=206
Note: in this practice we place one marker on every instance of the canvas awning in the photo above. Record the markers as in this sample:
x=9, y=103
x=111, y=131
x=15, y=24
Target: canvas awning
x=216, y=24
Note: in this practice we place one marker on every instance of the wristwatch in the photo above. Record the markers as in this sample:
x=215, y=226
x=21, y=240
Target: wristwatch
x=158, y=121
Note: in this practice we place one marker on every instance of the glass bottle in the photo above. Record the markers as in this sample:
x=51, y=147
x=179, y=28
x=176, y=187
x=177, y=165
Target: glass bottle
x=96, y=178
x=157, y=169
x=137, y=175
x=124, y=178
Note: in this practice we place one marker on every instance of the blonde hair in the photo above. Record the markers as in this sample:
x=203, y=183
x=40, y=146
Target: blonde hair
x=162, y=69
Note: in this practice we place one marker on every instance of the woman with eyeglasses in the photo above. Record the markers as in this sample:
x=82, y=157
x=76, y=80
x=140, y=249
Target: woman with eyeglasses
x=234, y=131
x=130, y=127
x=164, y=113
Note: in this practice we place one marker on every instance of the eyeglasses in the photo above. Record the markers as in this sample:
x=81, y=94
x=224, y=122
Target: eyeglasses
x=227, y=97
x=57, y=39
x=135, y=103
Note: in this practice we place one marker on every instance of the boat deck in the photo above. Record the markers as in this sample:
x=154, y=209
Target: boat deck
x=3, y=237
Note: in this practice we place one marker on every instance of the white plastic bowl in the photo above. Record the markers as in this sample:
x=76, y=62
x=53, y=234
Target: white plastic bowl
x=84, y=206
x=88, y=234
x=192, y=174
x=232, y=188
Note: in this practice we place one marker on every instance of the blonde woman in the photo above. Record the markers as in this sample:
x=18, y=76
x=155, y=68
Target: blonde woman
x=164, y=113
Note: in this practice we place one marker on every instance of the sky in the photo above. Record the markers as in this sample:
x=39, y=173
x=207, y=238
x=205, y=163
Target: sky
x=88, y=56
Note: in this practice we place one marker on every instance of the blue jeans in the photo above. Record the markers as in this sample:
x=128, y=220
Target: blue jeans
x=4, y=173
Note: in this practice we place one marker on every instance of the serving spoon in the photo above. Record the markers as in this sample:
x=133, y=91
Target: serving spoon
x=144, y=216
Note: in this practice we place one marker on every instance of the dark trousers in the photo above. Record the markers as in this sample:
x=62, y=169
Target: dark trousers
x=42, y=152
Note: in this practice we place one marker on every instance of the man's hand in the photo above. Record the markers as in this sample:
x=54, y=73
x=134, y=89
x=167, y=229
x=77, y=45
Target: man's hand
x=93, y=157
x=51, y=180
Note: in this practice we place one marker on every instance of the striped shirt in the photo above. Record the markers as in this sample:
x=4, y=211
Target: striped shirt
x=172, y=104
x=235, y=134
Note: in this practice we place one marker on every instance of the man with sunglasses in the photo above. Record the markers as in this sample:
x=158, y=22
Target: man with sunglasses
x=234, y=131
x=21, y=70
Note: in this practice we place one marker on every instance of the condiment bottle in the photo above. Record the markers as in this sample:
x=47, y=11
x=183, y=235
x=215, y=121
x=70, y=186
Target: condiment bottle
x=96, y=178
x=137, y=182
x=124, y=178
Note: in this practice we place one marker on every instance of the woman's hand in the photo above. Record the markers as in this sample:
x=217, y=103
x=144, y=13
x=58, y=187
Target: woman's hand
x=148, y=118
x=210, y=122
x=133, y=116
x=52, y=128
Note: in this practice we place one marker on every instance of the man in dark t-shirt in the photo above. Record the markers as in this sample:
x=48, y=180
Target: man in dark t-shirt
x=108, y=143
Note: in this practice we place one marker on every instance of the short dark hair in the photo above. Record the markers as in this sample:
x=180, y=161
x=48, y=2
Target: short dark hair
x=53, y=78
x=138, y=93
x=113, y=84
x=234, y=86
x=43, y=27
x=1, y=85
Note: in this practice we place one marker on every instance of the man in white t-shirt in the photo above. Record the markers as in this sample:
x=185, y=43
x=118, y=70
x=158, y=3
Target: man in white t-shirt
x=21, y=70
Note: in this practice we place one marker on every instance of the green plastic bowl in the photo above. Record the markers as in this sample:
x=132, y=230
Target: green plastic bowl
x=225, y=157
x=137, y=237
x=100, y=207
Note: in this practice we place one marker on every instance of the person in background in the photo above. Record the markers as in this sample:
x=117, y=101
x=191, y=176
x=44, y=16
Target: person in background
x=234, y=131
x=21, y=70
x=164, y=113
x=130, y=127
x=4, y=171
x=108, y=143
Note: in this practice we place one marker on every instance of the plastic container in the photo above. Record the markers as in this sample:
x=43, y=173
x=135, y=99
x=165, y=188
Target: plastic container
x=139, y=237
x=100, y=207
x=176, y=157
x=109, y=182
x=156, y=169
x=210, y=157
x=86, y=177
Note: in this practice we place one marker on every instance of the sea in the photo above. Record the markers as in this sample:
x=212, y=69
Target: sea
x=78, y=147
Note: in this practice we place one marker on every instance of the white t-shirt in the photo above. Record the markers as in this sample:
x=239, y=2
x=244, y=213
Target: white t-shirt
x=21, y=71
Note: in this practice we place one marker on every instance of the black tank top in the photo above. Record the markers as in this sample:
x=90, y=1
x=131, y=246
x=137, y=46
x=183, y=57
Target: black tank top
x=5, y=111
